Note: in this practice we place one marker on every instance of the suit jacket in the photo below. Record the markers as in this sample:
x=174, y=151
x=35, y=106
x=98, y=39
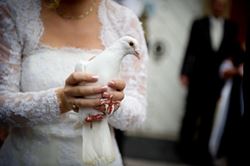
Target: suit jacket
x=246, y=77
x=245, y=146
x=201, y=63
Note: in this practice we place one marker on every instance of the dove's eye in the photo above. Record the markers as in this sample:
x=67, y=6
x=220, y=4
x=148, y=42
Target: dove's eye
x=131, y=44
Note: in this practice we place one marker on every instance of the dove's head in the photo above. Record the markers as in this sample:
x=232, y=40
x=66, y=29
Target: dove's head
x=131, y=45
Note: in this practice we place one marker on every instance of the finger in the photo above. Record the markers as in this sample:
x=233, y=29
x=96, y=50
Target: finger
x=116, y=95
x=81, y=91
x=117, y=84
x=85, y=103
x=78, y=77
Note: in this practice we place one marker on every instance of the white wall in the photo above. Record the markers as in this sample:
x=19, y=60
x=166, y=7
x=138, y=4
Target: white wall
x=170, y=24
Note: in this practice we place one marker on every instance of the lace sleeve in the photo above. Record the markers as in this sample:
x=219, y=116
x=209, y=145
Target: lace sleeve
x=132, y=111
x=19, y=108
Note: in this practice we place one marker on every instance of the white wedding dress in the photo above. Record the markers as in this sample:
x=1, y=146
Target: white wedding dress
x=31, y=71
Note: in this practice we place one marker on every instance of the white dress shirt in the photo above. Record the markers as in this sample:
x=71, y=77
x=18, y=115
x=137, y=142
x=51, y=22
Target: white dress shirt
x=216, y=32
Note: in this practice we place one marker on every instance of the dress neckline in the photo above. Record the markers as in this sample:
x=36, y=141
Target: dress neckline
x=65, y=48
x=70, y=48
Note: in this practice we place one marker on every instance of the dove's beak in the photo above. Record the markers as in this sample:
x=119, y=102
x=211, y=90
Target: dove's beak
x=137, y=53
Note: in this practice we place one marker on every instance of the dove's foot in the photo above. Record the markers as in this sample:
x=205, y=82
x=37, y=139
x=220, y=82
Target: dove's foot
x=110, y=107
x=92, y=118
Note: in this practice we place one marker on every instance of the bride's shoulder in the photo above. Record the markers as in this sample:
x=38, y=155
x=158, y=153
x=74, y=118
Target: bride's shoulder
x=120, y=12
x=123, y=20
x=24, y=15
x=18, y=7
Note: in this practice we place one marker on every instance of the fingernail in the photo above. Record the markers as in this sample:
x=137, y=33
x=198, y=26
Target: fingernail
x=102, y=89
x=95, y=77
x=111, y=83
x=105, y=95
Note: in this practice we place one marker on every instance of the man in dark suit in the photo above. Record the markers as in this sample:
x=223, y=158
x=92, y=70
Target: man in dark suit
x=213, y=39
x=245, y=148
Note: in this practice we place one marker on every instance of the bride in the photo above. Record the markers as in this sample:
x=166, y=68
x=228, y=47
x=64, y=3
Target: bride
x=40, y=43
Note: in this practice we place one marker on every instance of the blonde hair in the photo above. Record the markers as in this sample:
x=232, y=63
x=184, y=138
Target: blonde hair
x=53, y=4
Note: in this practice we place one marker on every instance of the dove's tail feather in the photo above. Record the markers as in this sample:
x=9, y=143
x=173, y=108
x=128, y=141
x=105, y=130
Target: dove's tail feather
x=97, y=144
x=105, y=147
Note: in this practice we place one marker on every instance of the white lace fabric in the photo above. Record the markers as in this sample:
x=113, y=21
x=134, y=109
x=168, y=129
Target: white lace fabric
x=19, y=108
x=28, y=99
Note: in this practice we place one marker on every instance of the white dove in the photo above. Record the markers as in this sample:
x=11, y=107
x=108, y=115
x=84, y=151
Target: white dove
x=97, y=146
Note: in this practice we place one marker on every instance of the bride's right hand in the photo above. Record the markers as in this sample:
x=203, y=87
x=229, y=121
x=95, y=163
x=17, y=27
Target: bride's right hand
x=73, y=94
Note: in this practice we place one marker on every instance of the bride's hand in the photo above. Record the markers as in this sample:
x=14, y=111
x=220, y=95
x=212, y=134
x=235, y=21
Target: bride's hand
x=71, y=97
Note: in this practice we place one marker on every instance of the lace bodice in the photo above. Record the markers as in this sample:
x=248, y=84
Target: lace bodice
x=22, y=104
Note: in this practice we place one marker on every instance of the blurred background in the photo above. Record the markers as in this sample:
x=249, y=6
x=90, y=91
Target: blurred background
x=167, y=25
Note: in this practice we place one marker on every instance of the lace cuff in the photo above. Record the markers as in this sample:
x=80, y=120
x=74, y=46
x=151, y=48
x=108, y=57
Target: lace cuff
x=29, y=109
